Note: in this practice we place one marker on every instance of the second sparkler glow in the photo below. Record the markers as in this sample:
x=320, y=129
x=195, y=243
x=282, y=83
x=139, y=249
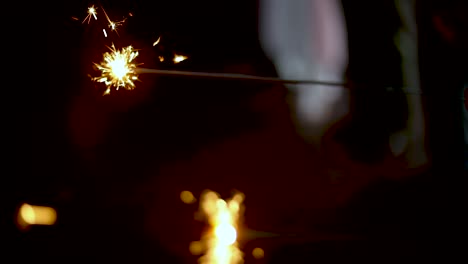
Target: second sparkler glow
x=220, y=242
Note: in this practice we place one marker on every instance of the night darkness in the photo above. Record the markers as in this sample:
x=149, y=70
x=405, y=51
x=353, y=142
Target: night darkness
x=113, y=166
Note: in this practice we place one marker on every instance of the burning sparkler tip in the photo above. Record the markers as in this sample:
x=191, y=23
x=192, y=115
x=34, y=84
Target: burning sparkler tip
x=118, y=69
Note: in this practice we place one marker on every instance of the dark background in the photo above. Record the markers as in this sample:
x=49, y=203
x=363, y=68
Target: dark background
x=113, y=166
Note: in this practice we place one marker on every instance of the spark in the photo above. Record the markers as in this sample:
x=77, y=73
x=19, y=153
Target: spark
x=91, y=13
x=157, y=41
x=118, y=69
x=105, y=33
x=220, y=242
x=112, y=24
x=179, y=58
x=161, y=58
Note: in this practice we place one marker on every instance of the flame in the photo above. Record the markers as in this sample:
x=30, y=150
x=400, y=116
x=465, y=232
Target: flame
x=118, y=69
x=91, y=13
x=220, y=243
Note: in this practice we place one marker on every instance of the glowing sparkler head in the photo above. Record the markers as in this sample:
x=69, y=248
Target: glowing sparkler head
x=118, y=69
x=223, y=217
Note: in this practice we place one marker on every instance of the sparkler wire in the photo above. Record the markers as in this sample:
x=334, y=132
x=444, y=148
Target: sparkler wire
x=252, y=78
x=232, y=76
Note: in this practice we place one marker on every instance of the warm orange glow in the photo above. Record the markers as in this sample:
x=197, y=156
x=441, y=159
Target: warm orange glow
x=196, y=248
x=258, y=253
x=187, y=197
x=36, y=215
x=220, y=243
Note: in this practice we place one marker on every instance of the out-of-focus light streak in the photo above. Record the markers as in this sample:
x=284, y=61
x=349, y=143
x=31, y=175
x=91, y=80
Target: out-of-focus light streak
x=35, y=215
x=92, y=12
x=157, y=41
x=179, y=58
x=118, y=69
x=161, y=58
x=220, y=242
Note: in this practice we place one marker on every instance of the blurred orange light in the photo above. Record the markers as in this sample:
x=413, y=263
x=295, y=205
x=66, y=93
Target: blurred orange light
x=35, y=215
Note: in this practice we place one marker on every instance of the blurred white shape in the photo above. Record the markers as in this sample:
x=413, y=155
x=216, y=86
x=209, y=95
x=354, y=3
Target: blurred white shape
x=407, y=42
x=398, y=143
x=35, y=215
x=307, y=39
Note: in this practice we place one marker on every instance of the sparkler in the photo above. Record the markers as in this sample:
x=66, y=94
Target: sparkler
x=220, y=241
x=118, y=69
x=123, y=72
x=91, y=13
